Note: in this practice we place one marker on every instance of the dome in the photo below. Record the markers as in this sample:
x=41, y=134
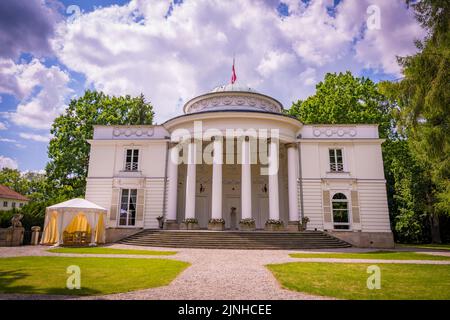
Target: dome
x=232, y=87
x=233, y=97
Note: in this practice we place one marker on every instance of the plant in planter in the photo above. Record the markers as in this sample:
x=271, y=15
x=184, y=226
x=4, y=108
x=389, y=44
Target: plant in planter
x=191, y=223
x=274, y=225
x=247, y=224
x=305, y=221
x=216, y=224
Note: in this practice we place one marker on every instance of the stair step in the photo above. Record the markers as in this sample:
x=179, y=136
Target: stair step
x=235, y=240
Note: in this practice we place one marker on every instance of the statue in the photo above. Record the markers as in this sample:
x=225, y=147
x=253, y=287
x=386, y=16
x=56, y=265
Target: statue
x=15, y=221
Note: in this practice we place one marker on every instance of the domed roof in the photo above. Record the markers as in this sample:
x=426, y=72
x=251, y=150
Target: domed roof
x=233, y=87
x=233, y=97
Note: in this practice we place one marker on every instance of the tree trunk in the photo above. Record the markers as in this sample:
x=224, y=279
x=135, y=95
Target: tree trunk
x=435, y=232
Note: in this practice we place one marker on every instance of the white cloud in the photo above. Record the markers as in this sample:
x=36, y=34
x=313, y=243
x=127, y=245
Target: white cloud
x=3, y=126
x=134, y=48
x=6, y=162
x=7, y=140
x=36, y=110
x=35, y=137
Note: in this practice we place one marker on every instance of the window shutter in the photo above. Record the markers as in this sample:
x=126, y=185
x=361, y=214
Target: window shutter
x=326, y=206
x=140, y=205
x=355, y=207
x=114, y=205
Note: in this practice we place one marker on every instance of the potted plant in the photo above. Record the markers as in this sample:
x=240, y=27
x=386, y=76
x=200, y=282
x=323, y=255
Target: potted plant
x=274, y=225
x=305, y=221
x=190, y=224
x=160, y=221
x=216, y=224
x=247, y=224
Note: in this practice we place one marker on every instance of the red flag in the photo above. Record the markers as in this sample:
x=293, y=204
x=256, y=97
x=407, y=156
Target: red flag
x=233, y=75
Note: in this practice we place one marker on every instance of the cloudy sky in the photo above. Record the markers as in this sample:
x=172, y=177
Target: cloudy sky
x=52, y=50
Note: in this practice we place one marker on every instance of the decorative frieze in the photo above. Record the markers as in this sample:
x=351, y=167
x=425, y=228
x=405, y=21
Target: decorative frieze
x=120, y=132
x=336, y=132
x=231, y=102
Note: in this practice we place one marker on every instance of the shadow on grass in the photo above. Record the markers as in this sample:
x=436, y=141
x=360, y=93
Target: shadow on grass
x=9, y=279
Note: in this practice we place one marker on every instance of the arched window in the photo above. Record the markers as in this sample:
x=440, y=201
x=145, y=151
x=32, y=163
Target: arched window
x=340, y=211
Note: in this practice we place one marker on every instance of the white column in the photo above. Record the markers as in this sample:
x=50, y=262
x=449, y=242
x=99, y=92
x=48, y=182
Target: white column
x=172, y=174
x=191, y=180
x=292, y=154
x=274, y=202
x=246, y=180
x=217, y=180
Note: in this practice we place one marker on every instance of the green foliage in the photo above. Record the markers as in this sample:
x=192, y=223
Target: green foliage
x=69, y=149
x=422, y=103
x=342, y=99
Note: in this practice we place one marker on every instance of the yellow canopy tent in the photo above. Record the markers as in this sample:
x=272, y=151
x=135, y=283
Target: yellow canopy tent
x=72, y=220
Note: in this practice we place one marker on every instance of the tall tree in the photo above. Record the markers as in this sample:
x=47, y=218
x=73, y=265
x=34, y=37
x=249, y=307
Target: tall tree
x=423, y=101
x=343, y=98
x=69, y=150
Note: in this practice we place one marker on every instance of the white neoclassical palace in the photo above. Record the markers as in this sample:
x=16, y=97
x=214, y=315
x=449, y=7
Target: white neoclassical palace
x=234, y=160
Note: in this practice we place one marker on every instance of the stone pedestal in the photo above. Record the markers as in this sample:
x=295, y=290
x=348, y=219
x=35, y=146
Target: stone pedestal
x=171, y=225
x=36, y=231
x=11, y=237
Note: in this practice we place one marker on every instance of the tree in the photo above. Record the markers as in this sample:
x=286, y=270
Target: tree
x=343, y=98
x=423, y=101
x=69, y=150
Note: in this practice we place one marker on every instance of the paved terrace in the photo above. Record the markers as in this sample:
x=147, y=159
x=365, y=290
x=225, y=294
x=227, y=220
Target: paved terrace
x=214, y=274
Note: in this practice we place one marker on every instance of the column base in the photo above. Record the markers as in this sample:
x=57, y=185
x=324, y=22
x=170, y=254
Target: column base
x=293, y=226
x=216, y=225
x=171, y=225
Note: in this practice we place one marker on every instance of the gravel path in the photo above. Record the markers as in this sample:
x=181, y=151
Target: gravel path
x=214, y=274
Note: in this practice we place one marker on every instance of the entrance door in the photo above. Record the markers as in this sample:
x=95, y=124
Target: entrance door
x=232, y=212
x=201, y=211
x=263, y=212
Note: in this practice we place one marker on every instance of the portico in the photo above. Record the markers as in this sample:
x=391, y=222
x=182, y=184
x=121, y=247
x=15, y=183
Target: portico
x=233, y=165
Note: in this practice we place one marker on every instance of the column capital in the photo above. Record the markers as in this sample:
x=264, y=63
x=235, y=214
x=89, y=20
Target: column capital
x=292, y=145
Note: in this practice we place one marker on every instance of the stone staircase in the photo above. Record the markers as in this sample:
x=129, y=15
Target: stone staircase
x=234, y=239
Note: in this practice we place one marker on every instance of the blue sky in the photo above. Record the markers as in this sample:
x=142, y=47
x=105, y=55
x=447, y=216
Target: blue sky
x=173, y=50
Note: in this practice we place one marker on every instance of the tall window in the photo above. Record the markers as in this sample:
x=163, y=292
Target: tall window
x=128, y=207
x=340, y=211
x=336, y=163
x=13, y=204
x=131, y=161
x=5, y=203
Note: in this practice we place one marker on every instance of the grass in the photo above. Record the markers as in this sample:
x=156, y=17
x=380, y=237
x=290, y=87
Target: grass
x=348, y=281
x=48, y=275
x=103, y=250
x=382, y=255
x=426, y=246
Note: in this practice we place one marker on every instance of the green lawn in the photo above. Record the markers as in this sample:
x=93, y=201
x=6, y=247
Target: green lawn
x=103, y=250
x=426, y=246
x=47, y=275
x=384, y=255
x=348, y=281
